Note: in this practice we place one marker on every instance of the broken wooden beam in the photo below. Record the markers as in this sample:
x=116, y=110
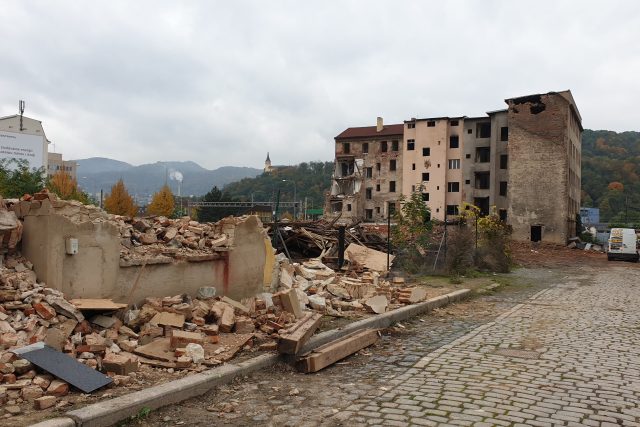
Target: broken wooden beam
x=291, y=340
x=331, y=352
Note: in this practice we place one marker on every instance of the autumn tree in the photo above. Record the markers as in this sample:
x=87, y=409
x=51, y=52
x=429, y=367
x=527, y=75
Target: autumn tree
x=66, y=187
x=615, y=185
x=119, y=202
x=162, y=202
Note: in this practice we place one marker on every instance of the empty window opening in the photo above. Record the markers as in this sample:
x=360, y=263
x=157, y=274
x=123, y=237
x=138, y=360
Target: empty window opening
x=411, y=144
x=346, y=148
x=483, y=180
x=337, y=207
x=503, y=214
x=469, y=131
x=452, y=209
x=378, y=167
x=425, y=197
x=369, y=172
x=483, y=204
x=413, y=166
x=504, y=161
x=504, y=133
x=411, y=125
x=453, y=187
x=454, y=141
x=483, y=154
x=536, y=233
x=377, y=187
x=394, y=145
x=392, y=186
x=368, y=214
x=365, y=147
x=467, y=181
x=426, y=151
x=349, y=207
x=369, y=193
x=383, y=146
x=392, y=165
x=503, y=188
x=425, y=176
x=431, y=124
x=453, y=123
x=483, y=130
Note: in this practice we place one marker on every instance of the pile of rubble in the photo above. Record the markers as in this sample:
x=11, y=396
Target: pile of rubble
x=577, y=243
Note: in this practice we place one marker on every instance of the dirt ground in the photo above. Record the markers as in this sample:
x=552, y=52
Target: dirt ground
x=530, y=256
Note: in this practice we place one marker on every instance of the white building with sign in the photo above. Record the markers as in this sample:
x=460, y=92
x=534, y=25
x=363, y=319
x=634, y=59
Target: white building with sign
x=23, y=142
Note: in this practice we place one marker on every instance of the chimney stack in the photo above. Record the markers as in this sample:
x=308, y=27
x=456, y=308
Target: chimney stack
x=379, y=124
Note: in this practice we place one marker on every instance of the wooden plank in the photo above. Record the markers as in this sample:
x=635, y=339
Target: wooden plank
x=96, y=304
x=291, y=342
x=330, y=353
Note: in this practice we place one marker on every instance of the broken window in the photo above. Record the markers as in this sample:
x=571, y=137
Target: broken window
x=504, y=133
x=368, y=214
x=377, y=210
x=336, y=207
x=504, y=160
x=349, y=207
x=392, y=165
x=368, y=172
x=483, y=204
x=425, y=197
x=483, y=130
x=369, y=193
x=378, y=167
x=503, y=188
x=411, y=144
x=454, y=163
x=453, y=187
x=431, y=124
x=426, y=151
x=394, y=145
x=346, y=148
x=383, y=146
x=365, y=147
x=483, y=180
x=392, y=186
x=452, y=209
x=454, y=141
x=503, y=214
x=377, y=187
x=425, y=176
x=483, y=154
x=453, y=123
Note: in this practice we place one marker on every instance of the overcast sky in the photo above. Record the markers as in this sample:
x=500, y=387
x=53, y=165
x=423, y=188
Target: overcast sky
x=223, y=82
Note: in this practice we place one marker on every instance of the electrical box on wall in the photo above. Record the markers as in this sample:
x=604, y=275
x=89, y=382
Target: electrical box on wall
x=71, y=245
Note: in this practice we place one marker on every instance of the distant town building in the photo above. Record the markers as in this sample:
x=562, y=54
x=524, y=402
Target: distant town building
x=23, y=138
x=524, y=162
x=267, y=164
x=56, y=164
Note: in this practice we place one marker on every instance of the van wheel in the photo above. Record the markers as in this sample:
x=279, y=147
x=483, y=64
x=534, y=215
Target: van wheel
x=609, y=258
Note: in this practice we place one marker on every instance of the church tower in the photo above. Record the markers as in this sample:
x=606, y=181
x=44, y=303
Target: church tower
x=267, y=164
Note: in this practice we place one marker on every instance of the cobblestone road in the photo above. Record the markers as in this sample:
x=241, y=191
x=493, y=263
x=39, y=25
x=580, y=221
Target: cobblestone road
x=564, y=350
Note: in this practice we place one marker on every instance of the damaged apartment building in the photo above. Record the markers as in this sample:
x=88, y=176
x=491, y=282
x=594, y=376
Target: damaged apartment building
x=522, y=162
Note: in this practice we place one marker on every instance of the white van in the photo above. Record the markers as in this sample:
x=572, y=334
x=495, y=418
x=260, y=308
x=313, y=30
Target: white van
x=623, y=244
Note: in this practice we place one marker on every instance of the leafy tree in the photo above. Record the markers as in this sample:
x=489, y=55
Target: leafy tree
x=119, y=202
x=162, y=202
x=62, y=184
x=616, y=186
x=16, y=179
x=212, y=214
x=411, y=235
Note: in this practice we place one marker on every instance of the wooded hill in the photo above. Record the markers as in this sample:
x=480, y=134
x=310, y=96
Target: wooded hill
x=611, y=174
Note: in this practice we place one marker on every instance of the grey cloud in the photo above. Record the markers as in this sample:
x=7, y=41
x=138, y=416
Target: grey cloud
x=222, y=83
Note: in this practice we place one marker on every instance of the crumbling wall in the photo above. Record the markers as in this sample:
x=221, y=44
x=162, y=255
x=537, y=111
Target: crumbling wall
x=538, y=167
x=105, y=267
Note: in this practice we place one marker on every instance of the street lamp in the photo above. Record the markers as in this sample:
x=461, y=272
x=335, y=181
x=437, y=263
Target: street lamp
x=294, y=197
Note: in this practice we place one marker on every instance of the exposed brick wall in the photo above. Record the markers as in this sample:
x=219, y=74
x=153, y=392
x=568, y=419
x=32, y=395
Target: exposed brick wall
x=539, y=167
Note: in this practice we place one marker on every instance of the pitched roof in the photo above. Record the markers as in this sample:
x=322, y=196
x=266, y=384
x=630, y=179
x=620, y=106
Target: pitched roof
x=370, y=131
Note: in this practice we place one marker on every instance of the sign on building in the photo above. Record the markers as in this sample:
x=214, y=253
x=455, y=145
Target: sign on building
x=22, y=147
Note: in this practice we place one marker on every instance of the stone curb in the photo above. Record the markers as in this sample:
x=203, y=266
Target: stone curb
x=111, y=411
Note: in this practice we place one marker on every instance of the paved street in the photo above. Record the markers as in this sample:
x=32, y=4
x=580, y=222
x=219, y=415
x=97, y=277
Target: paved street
x=562, y=349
